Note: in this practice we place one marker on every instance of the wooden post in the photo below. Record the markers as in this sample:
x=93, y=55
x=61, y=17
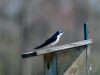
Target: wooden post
x=50, y=64
x=86, y=37
x=86, y=32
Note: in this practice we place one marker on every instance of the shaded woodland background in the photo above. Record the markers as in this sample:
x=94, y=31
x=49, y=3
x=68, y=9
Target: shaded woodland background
x=24, y=24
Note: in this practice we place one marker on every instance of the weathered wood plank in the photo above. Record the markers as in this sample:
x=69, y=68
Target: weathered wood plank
x=63, y=47
x=67, y=58
x=56, y=48
x=78, y=67
x=50, y=64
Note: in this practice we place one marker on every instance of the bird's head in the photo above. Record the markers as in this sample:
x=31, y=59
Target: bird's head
x=59, y=33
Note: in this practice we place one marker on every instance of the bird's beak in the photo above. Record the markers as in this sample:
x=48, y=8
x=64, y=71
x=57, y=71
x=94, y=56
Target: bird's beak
x=62, y=32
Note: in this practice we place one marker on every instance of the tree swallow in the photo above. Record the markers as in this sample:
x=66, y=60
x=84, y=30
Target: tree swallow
x=49, y=42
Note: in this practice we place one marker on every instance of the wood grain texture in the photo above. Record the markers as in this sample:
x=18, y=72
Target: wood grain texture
x=50, y=64
x=63, y=47
x=67, y=58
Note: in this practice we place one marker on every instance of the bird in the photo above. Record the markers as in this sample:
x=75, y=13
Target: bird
x=49, y=42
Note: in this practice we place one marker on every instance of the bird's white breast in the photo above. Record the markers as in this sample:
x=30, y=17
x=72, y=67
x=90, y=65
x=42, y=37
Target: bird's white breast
x=57, y=40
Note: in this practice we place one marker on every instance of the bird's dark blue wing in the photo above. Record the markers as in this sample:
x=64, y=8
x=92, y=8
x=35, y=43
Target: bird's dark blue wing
x=47, y=42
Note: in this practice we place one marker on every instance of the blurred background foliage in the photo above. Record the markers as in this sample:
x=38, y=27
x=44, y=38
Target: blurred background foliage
x=24, y=24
